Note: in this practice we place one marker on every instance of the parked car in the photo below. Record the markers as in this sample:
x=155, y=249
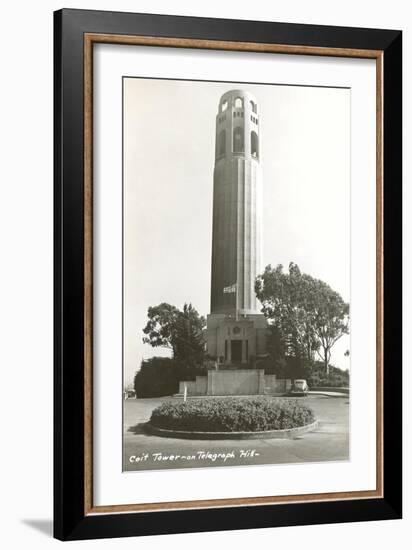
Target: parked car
x=299, y=387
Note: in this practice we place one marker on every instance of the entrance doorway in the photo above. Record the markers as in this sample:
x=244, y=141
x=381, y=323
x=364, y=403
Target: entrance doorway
x=236, y=349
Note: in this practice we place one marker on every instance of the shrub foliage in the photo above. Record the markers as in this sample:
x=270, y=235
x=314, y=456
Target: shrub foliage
x=232, y=415
x=160, y=376
x=157, y=377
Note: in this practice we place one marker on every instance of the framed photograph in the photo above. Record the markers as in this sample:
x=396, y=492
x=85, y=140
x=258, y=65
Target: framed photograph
x=227, y=274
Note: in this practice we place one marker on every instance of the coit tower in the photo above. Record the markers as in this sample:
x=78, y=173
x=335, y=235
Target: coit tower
x=237, y=195
x=237, y=231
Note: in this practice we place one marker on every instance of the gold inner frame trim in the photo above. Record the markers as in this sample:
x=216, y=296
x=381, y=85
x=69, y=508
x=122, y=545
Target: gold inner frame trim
x=89, y=40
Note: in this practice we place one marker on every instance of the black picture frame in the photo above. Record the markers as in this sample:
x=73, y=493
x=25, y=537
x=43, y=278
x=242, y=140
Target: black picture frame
x=71, y=520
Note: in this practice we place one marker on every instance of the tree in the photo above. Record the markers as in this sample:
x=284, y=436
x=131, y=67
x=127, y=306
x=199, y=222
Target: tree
x=275, y=362
x=308, y=315
x=161, y=327
x=330, y=319
x=178, y=330
x=284, y=298
x=190, y=348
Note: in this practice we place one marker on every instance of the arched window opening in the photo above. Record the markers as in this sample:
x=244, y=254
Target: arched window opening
x=222, y=143
x=238, y=140
x=254, y=145
x=238, y=103
x=253, y=106
x=224, y=106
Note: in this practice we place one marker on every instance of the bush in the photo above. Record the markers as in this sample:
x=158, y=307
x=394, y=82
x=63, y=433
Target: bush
x=157, y=377
x=337, y=378
x=232, y=415
x=160, y=376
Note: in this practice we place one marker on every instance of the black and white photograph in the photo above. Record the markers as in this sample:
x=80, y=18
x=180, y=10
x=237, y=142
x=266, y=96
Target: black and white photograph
x=236, y=274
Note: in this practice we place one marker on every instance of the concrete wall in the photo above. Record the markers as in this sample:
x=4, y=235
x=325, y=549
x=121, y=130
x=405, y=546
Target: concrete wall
x=236, y=382
x=194, y=387
x=274, y=385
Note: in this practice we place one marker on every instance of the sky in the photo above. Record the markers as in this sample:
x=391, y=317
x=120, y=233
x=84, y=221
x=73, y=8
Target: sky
x=169, y=146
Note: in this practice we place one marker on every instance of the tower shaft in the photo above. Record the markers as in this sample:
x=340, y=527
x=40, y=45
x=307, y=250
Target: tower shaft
x=236, y=244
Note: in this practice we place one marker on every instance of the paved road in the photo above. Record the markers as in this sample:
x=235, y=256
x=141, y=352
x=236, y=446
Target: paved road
x=329, y=442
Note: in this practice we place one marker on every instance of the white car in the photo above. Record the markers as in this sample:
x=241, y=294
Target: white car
x=299, y=387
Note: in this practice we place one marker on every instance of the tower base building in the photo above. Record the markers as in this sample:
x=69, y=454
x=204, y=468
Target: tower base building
x=234, y=341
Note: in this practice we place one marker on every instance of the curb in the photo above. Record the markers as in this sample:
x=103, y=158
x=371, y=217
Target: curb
x=268, y=434
x=223, y=395
x=328, y=393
